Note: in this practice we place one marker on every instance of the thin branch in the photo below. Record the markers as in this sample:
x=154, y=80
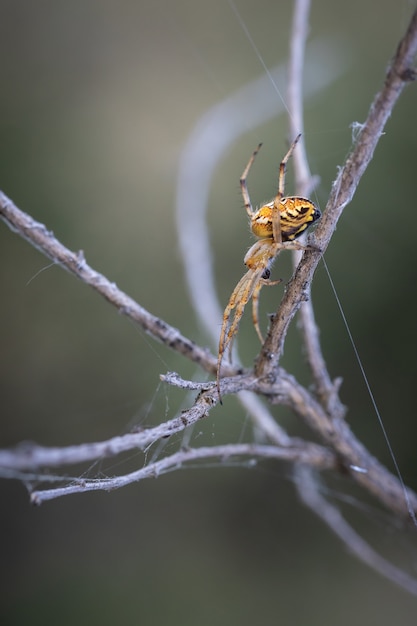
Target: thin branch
x=299, y=32
x=344, y=452
x=260, y=415
x=399, y=74
x=74, y=262
x=354, y=458
x=312, y=454
x=30, y=456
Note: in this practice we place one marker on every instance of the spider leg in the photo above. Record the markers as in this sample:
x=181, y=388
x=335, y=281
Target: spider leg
x=283, y=167
x=255, y=303
x=238, y=300
x=276, y=224
x=243, y=185
x=295, y=245
x=276, y=219
x=255, y=311
x=236, y=306
x=257, y=260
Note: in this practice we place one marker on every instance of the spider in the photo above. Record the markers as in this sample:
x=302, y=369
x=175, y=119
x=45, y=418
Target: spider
x=276, y=225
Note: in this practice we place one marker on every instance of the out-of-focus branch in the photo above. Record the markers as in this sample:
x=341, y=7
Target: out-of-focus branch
x=326, y=389
x=304, y=182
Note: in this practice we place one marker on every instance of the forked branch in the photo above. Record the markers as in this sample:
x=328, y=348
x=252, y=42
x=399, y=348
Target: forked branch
x=321, y=409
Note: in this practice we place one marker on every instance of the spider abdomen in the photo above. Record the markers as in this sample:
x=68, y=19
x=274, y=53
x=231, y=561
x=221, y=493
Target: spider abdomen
x=296, y=214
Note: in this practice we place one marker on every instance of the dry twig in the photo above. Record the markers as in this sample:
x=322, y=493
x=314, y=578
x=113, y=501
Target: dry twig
x=320, y=409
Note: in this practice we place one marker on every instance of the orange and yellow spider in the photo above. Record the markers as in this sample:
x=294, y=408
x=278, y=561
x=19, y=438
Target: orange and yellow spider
x=276, y=225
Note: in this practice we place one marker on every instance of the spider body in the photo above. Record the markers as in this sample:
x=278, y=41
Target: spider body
x=276, y=225
x=296, y=214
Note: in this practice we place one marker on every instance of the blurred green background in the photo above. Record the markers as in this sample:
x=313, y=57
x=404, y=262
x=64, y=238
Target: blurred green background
x=98, y=100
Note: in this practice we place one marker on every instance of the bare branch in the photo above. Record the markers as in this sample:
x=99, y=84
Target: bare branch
x=311, y=454
x=321, y=410
x=29, y=456
x=74, y=262
x=353, y=457
x=260, y=415
x=399, y=74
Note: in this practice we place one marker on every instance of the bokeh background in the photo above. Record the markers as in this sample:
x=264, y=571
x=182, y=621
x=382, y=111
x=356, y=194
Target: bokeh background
x=98, y=100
